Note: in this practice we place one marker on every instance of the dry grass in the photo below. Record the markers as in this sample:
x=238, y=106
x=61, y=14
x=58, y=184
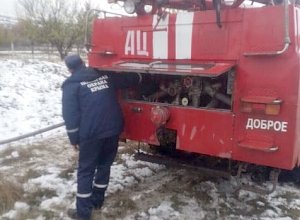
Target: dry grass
x=24, y=155
x=10, y=192
x=34, y=199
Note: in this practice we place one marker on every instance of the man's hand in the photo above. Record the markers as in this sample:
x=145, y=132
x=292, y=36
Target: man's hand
x=76, y=147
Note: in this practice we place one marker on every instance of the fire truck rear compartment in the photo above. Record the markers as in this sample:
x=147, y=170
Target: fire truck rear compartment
x=186, y=91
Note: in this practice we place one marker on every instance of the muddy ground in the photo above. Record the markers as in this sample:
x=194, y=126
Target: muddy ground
x=44, y=172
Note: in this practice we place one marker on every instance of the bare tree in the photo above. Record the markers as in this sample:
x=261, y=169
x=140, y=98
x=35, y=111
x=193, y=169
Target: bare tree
x=58, y=22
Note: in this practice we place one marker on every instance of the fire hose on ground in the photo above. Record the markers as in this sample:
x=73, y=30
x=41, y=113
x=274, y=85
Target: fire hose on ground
x=43, y=130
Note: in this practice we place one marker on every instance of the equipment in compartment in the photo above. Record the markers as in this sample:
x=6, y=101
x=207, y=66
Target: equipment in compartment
x=192, y=91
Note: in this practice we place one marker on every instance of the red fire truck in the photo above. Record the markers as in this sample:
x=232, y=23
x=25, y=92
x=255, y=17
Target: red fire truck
x=219, y=78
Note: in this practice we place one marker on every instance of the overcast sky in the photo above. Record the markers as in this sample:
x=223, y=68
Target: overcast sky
x=9, y=7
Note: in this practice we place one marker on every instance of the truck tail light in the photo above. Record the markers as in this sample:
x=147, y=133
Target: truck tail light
x=272, y=109
x=259, y=104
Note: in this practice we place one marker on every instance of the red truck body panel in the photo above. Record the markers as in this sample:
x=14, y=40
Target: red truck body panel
x=262, y=125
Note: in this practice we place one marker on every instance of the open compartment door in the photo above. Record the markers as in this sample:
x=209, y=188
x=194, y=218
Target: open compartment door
x=209, y=69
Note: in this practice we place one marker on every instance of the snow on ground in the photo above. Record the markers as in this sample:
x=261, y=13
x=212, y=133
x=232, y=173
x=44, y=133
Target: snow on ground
x=45, y=166
x=29, y=96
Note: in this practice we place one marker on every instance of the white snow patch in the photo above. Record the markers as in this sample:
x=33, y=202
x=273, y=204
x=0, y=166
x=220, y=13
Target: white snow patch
x=15, y=154
x=53, y=203
x=17, y=211
x=52, y=182
x=163, y=211
x=259, y=203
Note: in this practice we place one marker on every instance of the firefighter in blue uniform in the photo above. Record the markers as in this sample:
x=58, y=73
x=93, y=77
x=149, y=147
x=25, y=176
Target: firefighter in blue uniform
x=94, y=122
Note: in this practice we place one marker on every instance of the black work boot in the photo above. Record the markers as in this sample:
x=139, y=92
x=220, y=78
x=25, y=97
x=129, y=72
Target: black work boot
x=98, y=198
x=72, y=213
x=98, y=206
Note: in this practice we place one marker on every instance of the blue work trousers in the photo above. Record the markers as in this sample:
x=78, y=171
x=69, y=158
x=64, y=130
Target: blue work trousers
x=95, y=159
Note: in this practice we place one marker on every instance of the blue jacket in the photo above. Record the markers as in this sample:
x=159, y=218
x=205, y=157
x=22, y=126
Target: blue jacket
x=90, y=105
